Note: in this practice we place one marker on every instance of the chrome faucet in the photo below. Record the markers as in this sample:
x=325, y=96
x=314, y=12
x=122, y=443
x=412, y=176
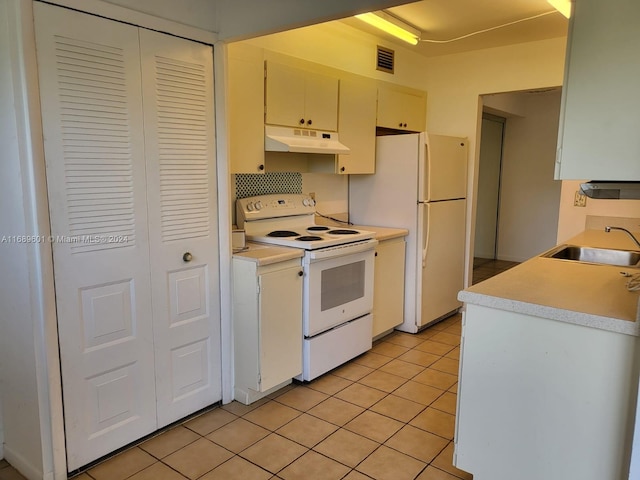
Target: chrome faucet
x=608, y=229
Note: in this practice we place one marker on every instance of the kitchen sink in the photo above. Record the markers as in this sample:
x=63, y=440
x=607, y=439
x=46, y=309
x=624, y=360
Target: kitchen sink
x=623, y=258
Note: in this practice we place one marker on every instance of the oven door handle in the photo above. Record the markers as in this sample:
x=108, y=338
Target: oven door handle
x=341, y=250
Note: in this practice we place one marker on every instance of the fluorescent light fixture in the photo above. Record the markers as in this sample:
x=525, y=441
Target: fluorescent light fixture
x=563, y=6
x=391, y=25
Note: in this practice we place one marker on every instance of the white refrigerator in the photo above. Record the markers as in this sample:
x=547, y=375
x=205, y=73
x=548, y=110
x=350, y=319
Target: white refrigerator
x=420, y=184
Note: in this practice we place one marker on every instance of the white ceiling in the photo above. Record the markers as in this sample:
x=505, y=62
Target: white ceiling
x=448, y=19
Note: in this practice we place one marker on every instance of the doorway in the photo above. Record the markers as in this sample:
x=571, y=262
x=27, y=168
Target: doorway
x=517, y=200
x=489, y=180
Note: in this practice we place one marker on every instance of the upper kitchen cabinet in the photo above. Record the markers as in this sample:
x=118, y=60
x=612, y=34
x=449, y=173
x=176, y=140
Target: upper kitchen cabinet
x=300, y=98
x=357, y=124
x=598, y=138
x=245, y=99
x=401, y=108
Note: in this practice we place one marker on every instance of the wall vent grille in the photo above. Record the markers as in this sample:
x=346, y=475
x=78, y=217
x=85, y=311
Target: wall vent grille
x=385, y=61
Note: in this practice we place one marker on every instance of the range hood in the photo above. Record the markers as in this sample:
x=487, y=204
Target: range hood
x=302, y=140
x=611, y=190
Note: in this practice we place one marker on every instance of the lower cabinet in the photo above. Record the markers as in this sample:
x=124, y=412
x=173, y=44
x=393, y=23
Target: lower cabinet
x=267, y=319
x=543, y=399
x=388, y=289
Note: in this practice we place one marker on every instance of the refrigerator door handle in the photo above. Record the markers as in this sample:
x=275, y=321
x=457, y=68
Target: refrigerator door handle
x=427, y=234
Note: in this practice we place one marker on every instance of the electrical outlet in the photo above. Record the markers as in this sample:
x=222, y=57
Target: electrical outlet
x=580, y=199
x=312, y=195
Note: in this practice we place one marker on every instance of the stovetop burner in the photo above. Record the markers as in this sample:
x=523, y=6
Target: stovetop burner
x=287, y=220
x=309, y=238
x=282, y=233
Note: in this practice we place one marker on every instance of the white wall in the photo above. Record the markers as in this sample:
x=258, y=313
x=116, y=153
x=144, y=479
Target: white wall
x=572, y=219
x=246, y=18
x=197, y=13
x=340, y=46
x=455, y=82
x=1, y=427
x=530, y=197
x=17, y=350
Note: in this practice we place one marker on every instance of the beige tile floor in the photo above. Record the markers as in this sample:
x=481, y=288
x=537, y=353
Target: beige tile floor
x=484, y=268
x=386, y=415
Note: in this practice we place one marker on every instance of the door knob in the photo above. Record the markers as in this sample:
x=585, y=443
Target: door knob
x=187, y=257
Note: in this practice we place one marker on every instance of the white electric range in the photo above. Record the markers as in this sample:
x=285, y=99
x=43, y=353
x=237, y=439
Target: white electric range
x=338, y=266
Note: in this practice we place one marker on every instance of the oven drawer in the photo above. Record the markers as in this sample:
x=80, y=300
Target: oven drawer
x=330, y=349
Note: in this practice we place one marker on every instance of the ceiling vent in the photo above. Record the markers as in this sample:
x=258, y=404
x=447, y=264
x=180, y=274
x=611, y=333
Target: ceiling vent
x=385, y=59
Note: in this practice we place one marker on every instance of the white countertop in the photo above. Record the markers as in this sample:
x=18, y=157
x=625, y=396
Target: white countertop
x=267, y=254
x=573, y=292
x=384, y=233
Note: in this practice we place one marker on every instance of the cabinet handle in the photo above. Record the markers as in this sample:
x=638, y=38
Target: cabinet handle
x=342, y=169
x=300, y=273
x=302, y=121
x=376, y=254
x=187, y=257
x=400, y=124
x=404, y=125
x=309, y=122
x=261, y=167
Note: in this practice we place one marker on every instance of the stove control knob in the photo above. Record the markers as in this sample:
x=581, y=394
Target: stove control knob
x=258, y=205
x=250, y=207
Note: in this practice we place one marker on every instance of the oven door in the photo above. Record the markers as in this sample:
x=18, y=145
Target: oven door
x=338, y=285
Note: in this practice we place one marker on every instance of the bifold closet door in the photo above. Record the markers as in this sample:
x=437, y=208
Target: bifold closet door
x=177, y=79
x=90, y=88
x=128, y=125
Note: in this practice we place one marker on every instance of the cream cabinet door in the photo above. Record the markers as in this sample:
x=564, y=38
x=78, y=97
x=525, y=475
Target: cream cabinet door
x=321, y=102
x=245, y=88
x=298, y=98
x=357, y=125
x=401, y=110
x=388, y=287
x=177, y=80
x=89, y=72
x=285, y=95
x=598, y=137
x=267, y=326
x=280, y=326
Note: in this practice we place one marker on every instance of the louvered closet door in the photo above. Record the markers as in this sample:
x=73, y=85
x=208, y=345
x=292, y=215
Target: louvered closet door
x=89, y=72
x=177, y=80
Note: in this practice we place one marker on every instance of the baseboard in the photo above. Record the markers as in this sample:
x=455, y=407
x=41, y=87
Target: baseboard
x=18, y=462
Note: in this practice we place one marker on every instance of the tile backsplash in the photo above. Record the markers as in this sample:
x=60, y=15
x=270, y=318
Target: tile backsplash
x=331, y=191
x=249, y=185
x=595, y=222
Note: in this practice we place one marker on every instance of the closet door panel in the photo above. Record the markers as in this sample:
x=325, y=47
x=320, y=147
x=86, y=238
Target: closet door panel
x=89, y=73
x=177, y=78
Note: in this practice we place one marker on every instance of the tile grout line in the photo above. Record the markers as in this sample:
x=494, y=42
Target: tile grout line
x=278, y=399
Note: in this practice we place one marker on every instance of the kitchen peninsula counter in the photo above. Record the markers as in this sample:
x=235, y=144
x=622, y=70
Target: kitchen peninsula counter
x=548, y=382
x=573, y=292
